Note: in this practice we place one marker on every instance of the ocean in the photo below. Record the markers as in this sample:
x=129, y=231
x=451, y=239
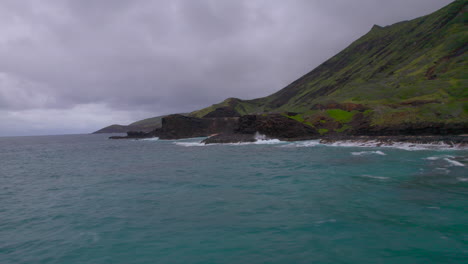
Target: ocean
x=87, y=199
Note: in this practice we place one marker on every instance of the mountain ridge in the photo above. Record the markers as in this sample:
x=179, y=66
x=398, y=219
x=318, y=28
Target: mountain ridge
x=409, y=74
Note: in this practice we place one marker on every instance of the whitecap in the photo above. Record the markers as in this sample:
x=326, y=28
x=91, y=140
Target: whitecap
x=439, y=157
x=258, y=142
x=308, y=143
x=454, y=162
x=397, y=145
x=151, y=139
x=190, y=144
x=267, y=142
x=378, y=152
x=462, y=179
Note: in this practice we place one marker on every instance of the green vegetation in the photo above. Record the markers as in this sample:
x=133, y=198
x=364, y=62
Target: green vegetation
x=412, y=71
x=322, y=131
x=341, y=115
x=400, y=72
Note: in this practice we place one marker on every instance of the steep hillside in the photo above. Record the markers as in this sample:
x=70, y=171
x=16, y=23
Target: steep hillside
x=410, y=72
x=144, y=125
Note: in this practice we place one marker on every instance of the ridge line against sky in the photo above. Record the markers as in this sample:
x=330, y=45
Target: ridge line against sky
x=70, y=66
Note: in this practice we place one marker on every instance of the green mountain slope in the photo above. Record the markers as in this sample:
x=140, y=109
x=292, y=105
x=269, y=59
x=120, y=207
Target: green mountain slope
x=410, y=72
x=145, y=125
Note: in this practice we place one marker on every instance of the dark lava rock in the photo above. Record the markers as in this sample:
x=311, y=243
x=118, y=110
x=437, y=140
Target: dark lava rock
x=179, y=126
x=275, y=126
x=415, y=129
x=230, y=138
x=138, y=135
x=272, y=126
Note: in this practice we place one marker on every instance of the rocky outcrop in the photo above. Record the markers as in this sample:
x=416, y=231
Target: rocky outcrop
x=138, y=135
x=275, y=126
x=179, y=126
x=230, y=138
x=283, y=127
x=271, y=126
x=413, y=129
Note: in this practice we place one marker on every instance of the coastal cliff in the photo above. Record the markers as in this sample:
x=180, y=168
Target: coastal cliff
x=405, y=79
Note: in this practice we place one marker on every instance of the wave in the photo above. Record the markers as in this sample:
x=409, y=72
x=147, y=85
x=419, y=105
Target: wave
x=361, y=153
x=151, y=139
x=397, y=145
x=303, y=144
x=258, y=142
x=439, y=157
x=448, y=158
x=375, y=177
x=454, y=162
x=462, y=179
x=191, y=144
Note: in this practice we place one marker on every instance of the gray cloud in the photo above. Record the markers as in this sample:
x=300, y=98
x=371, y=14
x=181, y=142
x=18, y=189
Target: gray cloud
x=147, y=58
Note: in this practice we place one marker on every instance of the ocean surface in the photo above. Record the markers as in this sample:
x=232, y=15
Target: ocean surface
x=86, y=199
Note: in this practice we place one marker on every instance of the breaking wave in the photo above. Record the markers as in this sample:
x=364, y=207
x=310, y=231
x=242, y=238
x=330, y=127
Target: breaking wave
x=397, y=145
x=447, y=158
x=454, y=162
x=361, y=153
x=191, y=144
x=151, y=139
x=375, y=177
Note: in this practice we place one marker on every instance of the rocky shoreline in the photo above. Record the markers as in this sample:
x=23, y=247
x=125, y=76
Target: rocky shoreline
x=251, y=128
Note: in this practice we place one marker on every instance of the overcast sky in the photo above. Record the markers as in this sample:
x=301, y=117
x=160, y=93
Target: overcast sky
x=74, y=66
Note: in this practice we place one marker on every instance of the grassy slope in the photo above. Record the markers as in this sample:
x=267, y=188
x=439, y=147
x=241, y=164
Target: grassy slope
x=412, y=71
x=147, y=124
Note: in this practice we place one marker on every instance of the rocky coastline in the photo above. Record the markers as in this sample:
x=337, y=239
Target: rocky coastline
x=251, y=128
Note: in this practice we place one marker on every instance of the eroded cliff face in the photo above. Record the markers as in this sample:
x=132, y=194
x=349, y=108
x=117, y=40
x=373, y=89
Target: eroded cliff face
x=289, y=127
x=179, y=126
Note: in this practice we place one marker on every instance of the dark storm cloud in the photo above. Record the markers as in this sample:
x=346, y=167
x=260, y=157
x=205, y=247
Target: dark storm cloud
x=155, y=57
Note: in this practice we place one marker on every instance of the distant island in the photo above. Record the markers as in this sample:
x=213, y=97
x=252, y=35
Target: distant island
x=407, y=79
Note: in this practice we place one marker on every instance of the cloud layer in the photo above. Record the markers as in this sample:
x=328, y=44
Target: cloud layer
x=75, y=66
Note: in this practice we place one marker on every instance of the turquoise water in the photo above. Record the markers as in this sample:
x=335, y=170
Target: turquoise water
x=86, y=199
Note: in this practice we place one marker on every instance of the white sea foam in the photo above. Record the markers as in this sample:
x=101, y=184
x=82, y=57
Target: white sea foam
x=302, y=144
x=462, y=179
x=190, y=144
x=397, y=145
x=268, y=142
x=454, y=162
x=361, y=153
x=151, y=139
x=375, y=177
x=258, y=142
x=439, y=157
